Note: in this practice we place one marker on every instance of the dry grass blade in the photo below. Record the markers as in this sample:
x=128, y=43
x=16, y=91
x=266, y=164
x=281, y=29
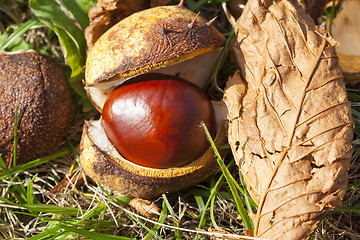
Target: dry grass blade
x=290, y=120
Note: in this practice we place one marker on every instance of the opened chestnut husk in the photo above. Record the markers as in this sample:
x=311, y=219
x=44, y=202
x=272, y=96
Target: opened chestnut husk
x=168, y=40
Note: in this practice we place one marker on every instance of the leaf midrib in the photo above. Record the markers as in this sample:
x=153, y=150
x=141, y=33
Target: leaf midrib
x=289, y=142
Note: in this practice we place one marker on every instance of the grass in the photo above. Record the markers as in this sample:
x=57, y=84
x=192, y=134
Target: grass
x=29, y=211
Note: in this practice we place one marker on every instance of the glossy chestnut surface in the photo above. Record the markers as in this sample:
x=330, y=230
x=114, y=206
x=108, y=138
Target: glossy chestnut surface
x=154, y=120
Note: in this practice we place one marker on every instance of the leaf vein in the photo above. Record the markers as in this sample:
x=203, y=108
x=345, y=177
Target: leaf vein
x=321, y=112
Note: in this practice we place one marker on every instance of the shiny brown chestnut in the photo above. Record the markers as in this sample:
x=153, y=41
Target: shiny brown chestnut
x=155, y=121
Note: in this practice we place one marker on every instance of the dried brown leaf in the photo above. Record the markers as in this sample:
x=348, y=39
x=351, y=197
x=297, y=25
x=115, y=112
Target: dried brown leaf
x=290, y=123
x=107, y=13
x=315, y=8
x=219, y=234
x=145, y=207
x=73, y=180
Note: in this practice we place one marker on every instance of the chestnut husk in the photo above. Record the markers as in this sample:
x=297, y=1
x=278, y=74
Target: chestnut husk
x=176, y=39
x=35, y=84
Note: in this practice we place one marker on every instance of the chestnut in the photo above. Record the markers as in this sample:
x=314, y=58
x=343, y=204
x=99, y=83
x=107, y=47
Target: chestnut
x=156, y=121
x=158, y=59
x=36, y=84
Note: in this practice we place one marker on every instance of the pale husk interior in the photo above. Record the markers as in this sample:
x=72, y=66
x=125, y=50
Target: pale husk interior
x=196, y=70
x=346, y=31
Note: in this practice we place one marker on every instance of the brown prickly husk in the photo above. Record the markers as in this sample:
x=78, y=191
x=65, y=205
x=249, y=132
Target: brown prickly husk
x=166, y=35
x=37, y=85
x=290, y=121
x=107, y=13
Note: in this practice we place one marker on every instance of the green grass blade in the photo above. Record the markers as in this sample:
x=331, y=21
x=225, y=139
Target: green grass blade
x=215, y=74
x=242, y=211
x=332, y=15
x=168, y=205
x=162, y=219
x=15, y=136
x=353, y=209
x=19, y=192
x=194, y=5
x=34, y=163
x=3, y=164
x=30, y=24
x=9, y=202
x=143, y=225
x=52, y=231
x=122, y=200
x=212, y=216
x=250, y=203
x=213, y=192
x=199, y=200
x=79, y=10
x=95, y=211
x=70, y=36
x=211, y=201
x=47, y=233
x=29, y=191
x=101, y=224
x=72, y=147
x=353, y=96
x=48, y=208
x=73, y=57
x=172, y=213
x=62, y=235
x=93, y=235
x=355, y=112
x=353, y=185
x=17, y=189
x=51, y=11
